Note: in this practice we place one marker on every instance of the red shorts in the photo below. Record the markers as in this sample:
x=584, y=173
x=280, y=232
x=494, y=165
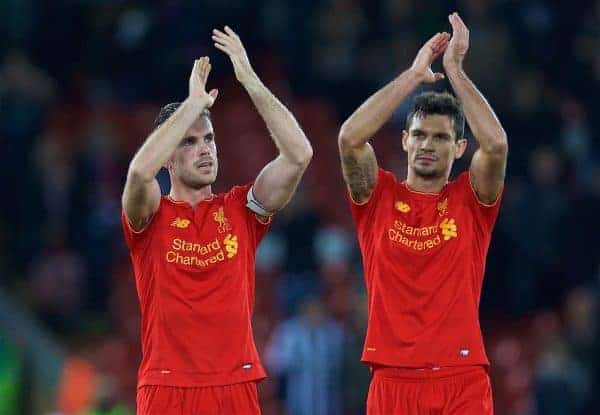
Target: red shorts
x=240, y=398
x=444, y=391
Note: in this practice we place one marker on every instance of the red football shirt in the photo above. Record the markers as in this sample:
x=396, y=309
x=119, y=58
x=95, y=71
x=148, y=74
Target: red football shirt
x=194, y=272
x=424, y=260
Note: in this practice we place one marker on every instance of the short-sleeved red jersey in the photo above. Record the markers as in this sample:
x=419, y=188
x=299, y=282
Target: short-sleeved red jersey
x=194, y=272
x=424, y=260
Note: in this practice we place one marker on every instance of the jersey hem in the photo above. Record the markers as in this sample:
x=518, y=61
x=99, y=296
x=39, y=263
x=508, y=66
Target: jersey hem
x=160, y=378
x=420, y=365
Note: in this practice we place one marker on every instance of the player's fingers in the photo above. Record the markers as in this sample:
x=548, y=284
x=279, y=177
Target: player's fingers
x=432, y=40
x=458, y=26
x=452, y=21
x=230, y=31
x=222, y=37
x=460, y=21
x=223, y=48
x=203, y=65
x=214, y=93
x=219, y=34
x=199, y=68
x=234, y=36
x=223, y=42
x=206, y=72
x=224, y=45
x=441, y=43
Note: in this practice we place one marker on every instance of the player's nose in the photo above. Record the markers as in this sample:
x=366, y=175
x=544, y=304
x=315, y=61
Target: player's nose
x=427, y=144
x=203, y=149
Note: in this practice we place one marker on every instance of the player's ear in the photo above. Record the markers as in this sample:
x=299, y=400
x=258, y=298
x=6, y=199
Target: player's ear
x=169, y=164
x=460, y=147
x=404, y=140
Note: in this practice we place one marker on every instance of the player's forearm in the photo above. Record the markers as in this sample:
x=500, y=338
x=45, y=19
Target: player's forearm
x=377, y=110
x=482, y=120
x=160, y=145
x=289, y=138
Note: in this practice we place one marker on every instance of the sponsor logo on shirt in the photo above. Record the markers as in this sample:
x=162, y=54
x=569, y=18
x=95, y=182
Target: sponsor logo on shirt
x=448, y=227
x=231, y=245
x=180, y=223
x=223, y=223
x=202, y=254
x=422, y=238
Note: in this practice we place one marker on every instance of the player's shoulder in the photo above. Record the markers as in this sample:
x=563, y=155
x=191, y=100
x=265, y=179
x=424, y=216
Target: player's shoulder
x=386, y=179
x=235, y=192
x=460, y=181
x=386, y=174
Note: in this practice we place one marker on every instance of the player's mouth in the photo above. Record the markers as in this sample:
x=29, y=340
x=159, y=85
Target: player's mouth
x=203, y=164
x=426, y=158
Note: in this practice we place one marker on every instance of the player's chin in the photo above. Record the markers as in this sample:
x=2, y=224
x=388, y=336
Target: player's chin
x=200, y=181
x=426, y=171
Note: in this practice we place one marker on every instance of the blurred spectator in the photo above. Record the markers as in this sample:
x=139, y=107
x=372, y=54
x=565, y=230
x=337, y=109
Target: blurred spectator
x=307, y=352
x=562, y=385
x=536, y=226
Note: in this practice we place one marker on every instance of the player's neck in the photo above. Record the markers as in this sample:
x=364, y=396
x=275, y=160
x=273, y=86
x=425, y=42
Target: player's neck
x=425, y=184
x=189, y=195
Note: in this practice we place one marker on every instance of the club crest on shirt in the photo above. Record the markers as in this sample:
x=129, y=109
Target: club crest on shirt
x=402, y=207
x=223, y=223
x=442, y=207
x=180, y=223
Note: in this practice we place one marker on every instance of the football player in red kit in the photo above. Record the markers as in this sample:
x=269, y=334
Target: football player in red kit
x=193, y=251
x=424, y=240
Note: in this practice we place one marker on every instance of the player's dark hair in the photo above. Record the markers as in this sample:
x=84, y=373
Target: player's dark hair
x=438, y=103
x=169, y=109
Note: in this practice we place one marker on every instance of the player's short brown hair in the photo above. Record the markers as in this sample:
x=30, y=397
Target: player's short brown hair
x=439, y=103
x=167, y=110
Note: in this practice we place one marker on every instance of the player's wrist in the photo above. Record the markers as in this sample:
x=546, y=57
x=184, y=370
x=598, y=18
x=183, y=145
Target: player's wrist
x=453, y=68
x=418, y=75
x=198, y=102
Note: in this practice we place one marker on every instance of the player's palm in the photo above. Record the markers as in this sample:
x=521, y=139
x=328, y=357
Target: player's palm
x=427, y=55
x=458, y=45
x=230, y=43
x=198, y=79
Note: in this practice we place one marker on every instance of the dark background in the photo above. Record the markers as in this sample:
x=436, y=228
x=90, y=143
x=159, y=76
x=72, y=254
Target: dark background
x=80, y=84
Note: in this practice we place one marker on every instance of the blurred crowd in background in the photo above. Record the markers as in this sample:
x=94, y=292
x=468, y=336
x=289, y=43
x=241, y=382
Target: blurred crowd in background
x=80, y=84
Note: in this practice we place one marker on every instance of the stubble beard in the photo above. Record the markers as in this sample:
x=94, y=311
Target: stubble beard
x=427, y=173
x=195, y=182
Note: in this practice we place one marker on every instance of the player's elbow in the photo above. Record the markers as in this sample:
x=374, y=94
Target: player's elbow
x=303, y=156
x=347, y=138
x=135, y=174
x=307, y=155
x=497, y=144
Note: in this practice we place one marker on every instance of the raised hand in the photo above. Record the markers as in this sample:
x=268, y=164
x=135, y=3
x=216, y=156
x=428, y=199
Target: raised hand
x=198, y=79
x=230, y=43
x=427, y=55
x=458, y=45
